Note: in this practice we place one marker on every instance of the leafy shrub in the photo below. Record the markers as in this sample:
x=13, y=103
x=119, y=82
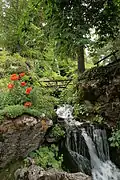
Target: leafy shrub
x=83, y=109
x=57, y=131
x=67, y=95
x=43, y=101
x=115, y=139
x=11, y=63
x=47, y=157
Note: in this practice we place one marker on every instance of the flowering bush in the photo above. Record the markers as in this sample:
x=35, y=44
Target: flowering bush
x=23, y=98
x=19, y=90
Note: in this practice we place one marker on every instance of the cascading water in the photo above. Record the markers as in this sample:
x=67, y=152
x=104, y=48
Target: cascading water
x=100, y=170
x=65, y=112
x=79, y=141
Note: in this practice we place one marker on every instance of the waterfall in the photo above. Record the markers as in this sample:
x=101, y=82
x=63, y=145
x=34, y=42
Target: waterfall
x=88, y=147
x=100, y=170
x=65, y=112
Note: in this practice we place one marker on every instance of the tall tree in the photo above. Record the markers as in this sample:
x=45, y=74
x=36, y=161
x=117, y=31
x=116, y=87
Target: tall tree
x=22, y=25
x=71, y=22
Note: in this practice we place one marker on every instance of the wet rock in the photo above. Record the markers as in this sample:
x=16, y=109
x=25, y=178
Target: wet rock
x=37, y=173
x=20, y=136
x=101, y=86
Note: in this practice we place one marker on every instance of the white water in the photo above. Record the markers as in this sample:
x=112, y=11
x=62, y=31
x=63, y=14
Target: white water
x=100, y=170
x=65, y=112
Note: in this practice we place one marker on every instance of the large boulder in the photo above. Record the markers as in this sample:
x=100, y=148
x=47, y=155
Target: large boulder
x=20, y=136
x=37, y=173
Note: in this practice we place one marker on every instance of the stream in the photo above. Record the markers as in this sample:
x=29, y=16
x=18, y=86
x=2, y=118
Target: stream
x=88, y=147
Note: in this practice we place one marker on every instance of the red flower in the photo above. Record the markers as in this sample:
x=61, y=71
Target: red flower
x=28, y=90
x=22, y=74
x=10, y=86
x=27, y=104
x=23, y=83
x=14, y=77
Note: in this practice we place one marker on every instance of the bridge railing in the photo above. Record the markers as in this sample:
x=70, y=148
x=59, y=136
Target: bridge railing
x=55, y=83
x=103, y=59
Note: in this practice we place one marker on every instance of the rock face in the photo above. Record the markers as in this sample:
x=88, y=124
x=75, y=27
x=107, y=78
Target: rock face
x=37, y=173
x=99, y=92
x=101, y=87
x=20, y=136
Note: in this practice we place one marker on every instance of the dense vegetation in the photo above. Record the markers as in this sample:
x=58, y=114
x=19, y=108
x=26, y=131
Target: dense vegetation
x=51, y=40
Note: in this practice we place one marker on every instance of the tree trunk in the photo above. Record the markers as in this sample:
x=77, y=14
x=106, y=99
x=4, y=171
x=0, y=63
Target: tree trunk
x=81, y=63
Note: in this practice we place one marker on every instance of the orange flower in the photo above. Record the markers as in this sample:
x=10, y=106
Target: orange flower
x=14, y=77
x=22, y=74
x=10, y=86
x=27, y=104
x=23, y=83
x=28, y=90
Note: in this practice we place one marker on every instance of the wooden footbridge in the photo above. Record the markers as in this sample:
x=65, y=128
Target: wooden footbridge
x=58, y=84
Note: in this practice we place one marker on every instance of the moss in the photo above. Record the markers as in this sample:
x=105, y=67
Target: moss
x=17, y=110
x=7, y=173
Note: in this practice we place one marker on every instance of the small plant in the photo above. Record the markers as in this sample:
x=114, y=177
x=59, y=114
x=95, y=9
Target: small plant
x=83, y=109
x=98, y=119
x=48, y=157
x=57, y=131
x=115, y=139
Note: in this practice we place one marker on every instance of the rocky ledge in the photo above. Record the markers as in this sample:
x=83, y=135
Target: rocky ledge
x=37, y=173
x=20, y=136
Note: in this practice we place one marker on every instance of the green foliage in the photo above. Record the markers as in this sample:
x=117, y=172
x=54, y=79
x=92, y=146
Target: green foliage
x=98, y=119
x=7, y=173
x=66, y=95
x=20, y=26
x=43, y=101
x=17, y=110
x=72, y=29
x=33, y=112
x=83, y=109
x=80, y=110
x=115, y=139
x=11, y=63
x=13, y=111
x=57, y=132
x=48, y=157
x=13, y=100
